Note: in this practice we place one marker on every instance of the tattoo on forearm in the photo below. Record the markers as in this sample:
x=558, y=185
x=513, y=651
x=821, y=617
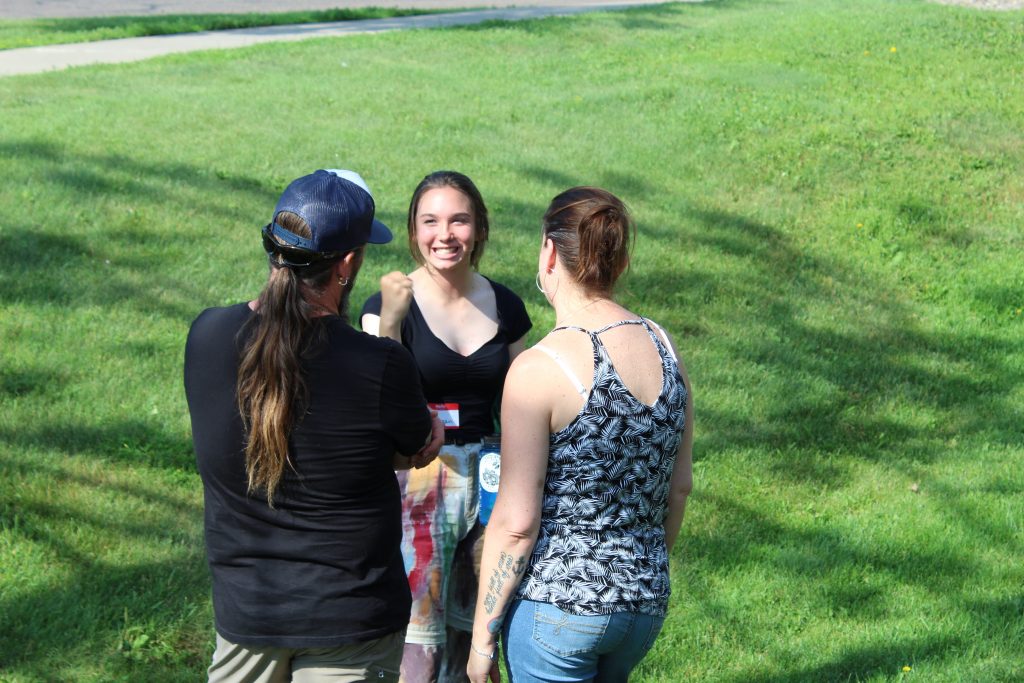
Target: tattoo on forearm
x=507, y=568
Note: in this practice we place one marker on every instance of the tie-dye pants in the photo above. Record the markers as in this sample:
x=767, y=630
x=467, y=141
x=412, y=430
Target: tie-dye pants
x=441, y=545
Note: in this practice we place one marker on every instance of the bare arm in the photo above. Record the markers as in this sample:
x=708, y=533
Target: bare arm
x=396, y=297
x=681, y=483
x=515, y=522
x=516, y=348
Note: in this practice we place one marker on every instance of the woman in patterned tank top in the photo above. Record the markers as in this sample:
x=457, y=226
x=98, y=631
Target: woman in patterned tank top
x=597, y=433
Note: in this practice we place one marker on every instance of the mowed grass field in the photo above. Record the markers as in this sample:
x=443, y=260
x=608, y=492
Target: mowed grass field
x=830, y=200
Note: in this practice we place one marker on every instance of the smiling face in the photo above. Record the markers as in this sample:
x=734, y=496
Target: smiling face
x=445, y=228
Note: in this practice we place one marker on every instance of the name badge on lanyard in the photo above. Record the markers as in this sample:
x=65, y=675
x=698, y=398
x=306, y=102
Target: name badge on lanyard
x=448, y=413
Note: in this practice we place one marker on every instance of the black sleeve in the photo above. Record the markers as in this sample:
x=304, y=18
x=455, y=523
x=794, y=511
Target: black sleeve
x=512, y=312
x=211, y=352
x=195, y=364
x=211, y=371
x=371, y=307
x=403, y=407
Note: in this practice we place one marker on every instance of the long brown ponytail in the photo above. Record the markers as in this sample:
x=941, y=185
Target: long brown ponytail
x=270, y=383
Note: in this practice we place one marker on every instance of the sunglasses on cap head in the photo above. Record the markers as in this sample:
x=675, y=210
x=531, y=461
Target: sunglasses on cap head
x=292, y=255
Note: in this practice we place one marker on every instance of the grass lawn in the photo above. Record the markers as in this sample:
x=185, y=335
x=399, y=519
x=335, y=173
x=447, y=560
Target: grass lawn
x=830, y=198
x=34, y=32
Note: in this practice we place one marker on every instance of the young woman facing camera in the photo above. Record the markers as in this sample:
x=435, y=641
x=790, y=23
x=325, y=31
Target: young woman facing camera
x=463, y=330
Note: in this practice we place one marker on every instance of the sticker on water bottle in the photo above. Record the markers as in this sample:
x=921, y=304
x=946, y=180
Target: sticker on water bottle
x=490, y=471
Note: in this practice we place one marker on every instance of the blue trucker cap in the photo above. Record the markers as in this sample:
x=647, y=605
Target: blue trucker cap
x=339, y=209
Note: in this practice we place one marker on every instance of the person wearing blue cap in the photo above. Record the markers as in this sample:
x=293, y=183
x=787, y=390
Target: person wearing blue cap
x=298, y=422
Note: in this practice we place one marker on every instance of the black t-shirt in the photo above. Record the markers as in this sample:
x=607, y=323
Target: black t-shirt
x=324, y=566
x=474, y=382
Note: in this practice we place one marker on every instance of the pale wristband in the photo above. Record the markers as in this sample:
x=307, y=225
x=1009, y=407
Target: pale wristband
x=492, y=656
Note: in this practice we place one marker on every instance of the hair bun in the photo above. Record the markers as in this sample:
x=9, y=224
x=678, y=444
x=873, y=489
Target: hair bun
x=592, y=231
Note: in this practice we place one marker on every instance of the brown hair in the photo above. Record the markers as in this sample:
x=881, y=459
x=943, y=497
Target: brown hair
x=463, y=184
x=593, y=233
x=270, y=384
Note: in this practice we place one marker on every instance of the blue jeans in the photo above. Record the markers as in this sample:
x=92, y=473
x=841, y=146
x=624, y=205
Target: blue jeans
x=545, y=644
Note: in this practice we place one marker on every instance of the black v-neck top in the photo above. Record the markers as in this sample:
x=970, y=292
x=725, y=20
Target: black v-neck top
x=475, y=381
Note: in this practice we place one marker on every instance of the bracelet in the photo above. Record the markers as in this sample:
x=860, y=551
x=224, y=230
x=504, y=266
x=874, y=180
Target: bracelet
x=492, y=656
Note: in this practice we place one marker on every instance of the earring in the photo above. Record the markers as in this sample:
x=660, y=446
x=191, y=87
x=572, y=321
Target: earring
x=343, y=281
x=541, y=287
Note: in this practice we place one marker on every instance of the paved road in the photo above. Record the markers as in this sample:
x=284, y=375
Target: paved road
x=54, y=57
x=30, y=9
x=27, y=9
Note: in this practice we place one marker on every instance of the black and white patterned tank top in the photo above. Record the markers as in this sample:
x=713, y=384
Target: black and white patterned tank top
x=601, y=547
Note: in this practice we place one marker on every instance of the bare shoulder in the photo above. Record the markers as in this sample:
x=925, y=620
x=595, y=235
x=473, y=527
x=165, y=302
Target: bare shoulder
x=663, y=334
x=482, y=295
x=667, y=339
x=529, y=365
x=530, y=373
x=418, y=276
x=539, y=369
x=566, y=341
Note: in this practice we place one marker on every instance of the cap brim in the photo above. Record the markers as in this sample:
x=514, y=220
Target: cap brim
x=379, y=233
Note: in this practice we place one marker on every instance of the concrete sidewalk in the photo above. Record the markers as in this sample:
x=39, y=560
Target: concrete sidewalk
x=54, y=57
x=54, y=9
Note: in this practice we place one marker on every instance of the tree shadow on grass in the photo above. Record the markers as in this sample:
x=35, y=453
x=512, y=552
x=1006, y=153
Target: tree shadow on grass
x=36, y=382
x=819, y=554
x=105, y=260
x=126, y=441
x=879, y=352
x=82, y=176
x=98, y=616
x=808, y=435
x=860, y=663
x=103, y=597
x=826, y=385
x=20, y=468
x=100, y=605
x=66, y=263
x=833, y=393
x=780, y=290
x=95, y=589
x=848, y=588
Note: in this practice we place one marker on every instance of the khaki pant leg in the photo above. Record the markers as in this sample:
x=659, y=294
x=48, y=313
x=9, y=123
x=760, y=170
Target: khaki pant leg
x=374, y=660
x=238, y=664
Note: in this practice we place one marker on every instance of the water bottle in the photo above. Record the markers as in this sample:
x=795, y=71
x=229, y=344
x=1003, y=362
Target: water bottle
x=490, y=473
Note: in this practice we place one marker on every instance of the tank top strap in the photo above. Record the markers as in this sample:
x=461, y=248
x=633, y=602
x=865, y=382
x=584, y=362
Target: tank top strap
x=582, y=390
x=657, y=340
x=664, y=349
x=612, y=326
x=574, y=327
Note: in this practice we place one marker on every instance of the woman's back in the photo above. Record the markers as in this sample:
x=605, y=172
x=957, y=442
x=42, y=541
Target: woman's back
x=637, y=361
x=601, y=546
